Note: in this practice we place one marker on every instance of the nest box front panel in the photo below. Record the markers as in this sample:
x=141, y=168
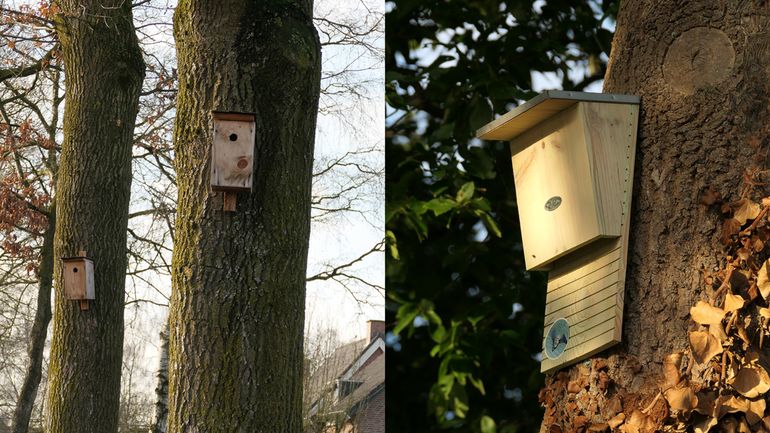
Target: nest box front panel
x=232, y=155
x=557, y=203
x=78, y=279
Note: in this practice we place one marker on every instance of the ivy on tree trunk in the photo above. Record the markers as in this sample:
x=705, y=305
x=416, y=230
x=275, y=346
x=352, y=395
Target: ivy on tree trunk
x=237, y=307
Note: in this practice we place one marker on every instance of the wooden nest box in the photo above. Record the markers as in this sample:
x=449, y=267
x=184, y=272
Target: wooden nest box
x=78, y=278
x=232, y=154
x=573, y=162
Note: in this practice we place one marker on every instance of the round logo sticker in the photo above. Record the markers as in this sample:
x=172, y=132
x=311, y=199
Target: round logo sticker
x=553, y=203
x=557, y=338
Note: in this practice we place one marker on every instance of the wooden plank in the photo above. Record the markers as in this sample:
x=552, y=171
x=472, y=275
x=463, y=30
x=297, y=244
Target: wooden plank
x=580, y=300
x=229, y=201
x=585, y=256
x=240, y=117
x=599, y=278
x=556, y=282
x=549, y=163
x=90, y=292
x=606, y=127
x=529, y=114
x=586, y=313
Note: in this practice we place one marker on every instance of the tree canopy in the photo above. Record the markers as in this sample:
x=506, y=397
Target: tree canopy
x=466, y=319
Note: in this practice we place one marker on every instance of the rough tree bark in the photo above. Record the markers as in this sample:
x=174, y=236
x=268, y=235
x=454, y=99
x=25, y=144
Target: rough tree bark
x=104, y=70
x=237, y=308
x=160, y=418
x=702, y=69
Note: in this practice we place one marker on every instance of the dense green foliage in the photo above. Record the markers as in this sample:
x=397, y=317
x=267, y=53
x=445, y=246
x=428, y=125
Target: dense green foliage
x=466, y=319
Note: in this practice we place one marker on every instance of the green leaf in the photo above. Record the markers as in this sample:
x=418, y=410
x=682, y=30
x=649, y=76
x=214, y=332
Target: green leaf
x=478, y=383
x=404, y=317
x=466, y=192
x=491, y=224
x=440, y=205
x=443, y=132
x=488, y=425
x=461, y=402
x=390, y=239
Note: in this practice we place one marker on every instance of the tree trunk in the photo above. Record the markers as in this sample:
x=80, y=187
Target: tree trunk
x=237, y=308
x=702, y=71
x=37, y=338
x=160, y=418
x=104, y=70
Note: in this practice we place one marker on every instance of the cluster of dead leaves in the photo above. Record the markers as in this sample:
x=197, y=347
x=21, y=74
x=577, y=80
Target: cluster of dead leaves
x=590, y=401
x=722, y=385
x=719, y=383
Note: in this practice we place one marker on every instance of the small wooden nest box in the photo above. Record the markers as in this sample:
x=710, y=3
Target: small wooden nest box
x=79, y=279
x=232, y=155
x=573, y=162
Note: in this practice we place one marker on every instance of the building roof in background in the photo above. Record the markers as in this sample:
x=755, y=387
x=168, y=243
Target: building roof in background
x=325, y=376
x=373, y=378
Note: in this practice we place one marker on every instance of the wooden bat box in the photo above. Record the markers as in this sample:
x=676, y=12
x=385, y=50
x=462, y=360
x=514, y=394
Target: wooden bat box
x=78, y=278
x=232, y=154
x=572, y=155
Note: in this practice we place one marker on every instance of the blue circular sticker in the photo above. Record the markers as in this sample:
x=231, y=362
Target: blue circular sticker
x=556, y=338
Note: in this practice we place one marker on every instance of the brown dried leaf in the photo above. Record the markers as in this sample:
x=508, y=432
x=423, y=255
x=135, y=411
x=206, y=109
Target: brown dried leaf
x=616, y=420
x=751, y=382
x=742, y=333
x=574, y=386
x=706, y=401
x=730, y=404
x=683, y=399
x=705, y=314
x=763, y=282
x=704, y=346
x=671, y=366
x=764, y=312
x=729, y=228
x=744, y=253
x=745, y=209
x=718, y=331
x=739, y=282
x=756, y=411
x=733, y=302
x=579, y=422
x=597, y=428
x=636, y=423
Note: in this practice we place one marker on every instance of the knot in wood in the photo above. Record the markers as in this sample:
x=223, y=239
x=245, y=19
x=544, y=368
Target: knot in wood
x=699, y=57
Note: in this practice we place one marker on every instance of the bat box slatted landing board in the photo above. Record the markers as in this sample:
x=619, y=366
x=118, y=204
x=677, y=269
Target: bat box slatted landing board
x=573, y=164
